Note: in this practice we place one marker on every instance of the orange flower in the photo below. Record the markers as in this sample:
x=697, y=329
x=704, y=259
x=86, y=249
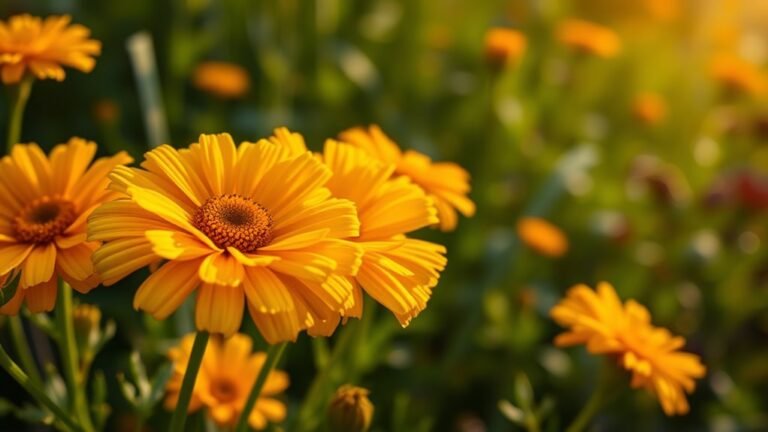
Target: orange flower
x=504, y=47
x=542, y=236
x=248, y=225
x=446, y=183
x=43, y=47
x=600, y=321
x=44, y=203
x=649, y=108
x=589, y=37
x=738, y=75
x=399, y=272
x=225, y=80
x=228, y=371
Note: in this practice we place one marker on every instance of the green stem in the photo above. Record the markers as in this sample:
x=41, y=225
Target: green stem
x=18, y=103
x=602, y=394
x=33, y=389
x=273, y=356
x=179, y=416
x=68, y=350
x=320, y=383
x=22, y=348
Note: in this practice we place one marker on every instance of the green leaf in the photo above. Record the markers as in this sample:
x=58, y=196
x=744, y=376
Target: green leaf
x=43, y=322
x=34, y=415
x=8, y=289
x=523, y=392
x=105, y=336
x=139, y=375
x=127, y=389
x=99, y=407
x=159, y=382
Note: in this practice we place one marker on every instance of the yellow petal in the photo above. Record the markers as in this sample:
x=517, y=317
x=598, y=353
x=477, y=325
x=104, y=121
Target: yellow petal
x=39, y=266
x=176, y=245
x=221, y=269
x=12, y=255
x=166, y=289
x=75, y=262
x=42, y=297
x=219, y=308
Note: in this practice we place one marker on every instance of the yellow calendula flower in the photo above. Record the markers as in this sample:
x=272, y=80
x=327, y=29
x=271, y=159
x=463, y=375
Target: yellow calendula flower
x=43, y=47
x=399, y=272
x=504, y=47
x=738, y=75
x=44, y=203
x=649, y=108
x=222, y=79
x=445, y=182
x=228, y=371
x=350, y=410
x=250, y=225
x=588, y=37
x=542, y=236
x=599, y=320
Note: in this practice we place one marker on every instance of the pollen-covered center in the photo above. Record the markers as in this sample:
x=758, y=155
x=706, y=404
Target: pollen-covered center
x=43, y=219
x=236, y=221
x=223, y=390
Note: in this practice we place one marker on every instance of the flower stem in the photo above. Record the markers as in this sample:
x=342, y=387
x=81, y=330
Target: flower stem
x=602, y=394
x=18, y=103
x=68, y=349
x=22, y=348
x=321, y=380
x=179, y=416
x=33, y=389
x=273, y=356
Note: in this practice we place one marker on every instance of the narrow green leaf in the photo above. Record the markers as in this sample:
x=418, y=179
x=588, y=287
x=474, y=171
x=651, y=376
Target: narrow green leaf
x=8, y=289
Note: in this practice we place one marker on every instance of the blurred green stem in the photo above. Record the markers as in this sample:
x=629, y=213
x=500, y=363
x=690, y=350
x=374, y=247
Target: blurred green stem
x=35, y=391
x=179, y=416
x=22, y=348
x=18, y=103
x=309, y=408
x=69, y=357
x=602, y=394
x=273, y=356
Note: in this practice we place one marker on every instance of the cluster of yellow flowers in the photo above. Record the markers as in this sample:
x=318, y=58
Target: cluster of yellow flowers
x=292, y=236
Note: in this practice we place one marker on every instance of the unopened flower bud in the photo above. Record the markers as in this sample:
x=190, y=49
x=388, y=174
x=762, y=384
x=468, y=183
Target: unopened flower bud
x=350, y=410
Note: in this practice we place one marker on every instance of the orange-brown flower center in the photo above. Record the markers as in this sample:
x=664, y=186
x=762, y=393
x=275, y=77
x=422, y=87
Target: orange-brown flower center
x=223, y=390
x=233, y=220
x=43, y=219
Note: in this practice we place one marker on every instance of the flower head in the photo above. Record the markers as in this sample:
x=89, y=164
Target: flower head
x=542, y=236
x=350, y=410
x=44, y=203
x=250, y=225
x=222, y=79
x=599, y=320
x=649, y=108
x=44, y=46
x=738, y=75
x=399, y=272
x=504, y=46
x=445, y=182
x=589, y=38
x=227, y=372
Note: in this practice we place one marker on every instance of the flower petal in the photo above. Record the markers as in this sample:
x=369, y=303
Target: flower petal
x=166, y=289
x=219, y=308
x=42, y=297
x=39, y=266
